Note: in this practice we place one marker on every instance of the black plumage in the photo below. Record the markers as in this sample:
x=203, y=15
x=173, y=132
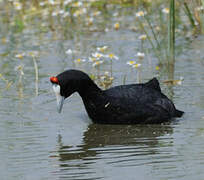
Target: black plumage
x=125, y=104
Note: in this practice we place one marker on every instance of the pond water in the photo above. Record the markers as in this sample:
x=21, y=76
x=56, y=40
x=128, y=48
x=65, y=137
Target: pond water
x=38, y=143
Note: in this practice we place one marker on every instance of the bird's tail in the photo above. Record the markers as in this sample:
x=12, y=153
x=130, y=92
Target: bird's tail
x=178, y=113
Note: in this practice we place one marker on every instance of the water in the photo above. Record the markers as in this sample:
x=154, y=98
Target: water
x=38, y=143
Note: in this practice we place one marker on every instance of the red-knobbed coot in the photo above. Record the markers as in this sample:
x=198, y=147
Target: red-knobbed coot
x=125, y=104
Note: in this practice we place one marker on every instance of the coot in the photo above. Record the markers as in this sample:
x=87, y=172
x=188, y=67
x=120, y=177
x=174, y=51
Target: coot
x=126, y=104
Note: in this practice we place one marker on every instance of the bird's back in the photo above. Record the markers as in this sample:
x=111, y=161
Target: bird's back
x=134, y=103
x=136, y=94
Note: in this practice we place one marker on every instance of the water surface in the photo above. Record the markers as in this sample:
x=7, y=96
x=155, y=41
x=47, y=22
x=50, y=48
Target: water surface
x=38, y=143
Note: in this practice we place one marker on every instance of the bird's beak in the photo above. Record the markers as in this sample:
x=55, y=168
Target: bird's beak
x=60, y=99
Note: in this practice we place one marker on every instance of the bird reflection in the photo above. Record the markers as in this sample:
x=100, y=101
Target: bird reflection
x=98, y=137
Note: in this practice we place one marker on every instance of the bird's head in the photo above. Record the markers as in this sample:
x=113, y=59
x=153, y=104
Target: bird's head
x=66, y=83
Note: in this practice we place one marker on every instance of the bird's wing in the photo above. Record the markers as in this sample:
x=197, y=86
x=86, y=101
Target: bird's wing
x=134, y=94
x=141, y=100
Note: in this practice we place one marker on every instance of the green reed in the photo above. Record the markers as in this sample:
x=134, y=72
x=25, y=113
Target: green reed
x=171, y=33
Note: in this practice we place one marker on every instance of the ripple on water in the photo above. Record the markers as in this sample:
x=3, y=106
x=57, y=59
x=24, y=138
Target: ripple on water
x=106, y=149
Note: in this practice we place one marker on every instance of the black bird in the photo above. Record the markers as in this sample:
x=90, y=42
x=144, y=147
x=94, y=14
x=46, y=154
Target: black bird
x=125, y=104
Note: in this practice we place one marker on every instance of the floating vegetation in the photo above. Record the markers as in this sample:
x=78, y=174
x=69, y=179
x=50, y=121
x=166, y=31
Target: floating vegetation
x=173, y=81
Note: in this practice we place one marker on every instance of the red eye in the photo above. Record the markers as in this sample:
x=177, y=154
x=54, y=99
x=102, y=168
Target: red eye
x=54, y=80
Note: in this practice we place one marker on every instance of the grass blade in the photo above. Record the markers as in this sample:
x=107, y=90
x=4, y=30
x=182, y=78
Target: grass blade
x=189, y=14
x=150, y=41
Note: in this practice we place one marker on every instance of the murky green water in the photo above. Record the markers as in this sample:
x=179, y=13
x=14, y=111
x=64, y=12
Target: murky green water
x=38, y=143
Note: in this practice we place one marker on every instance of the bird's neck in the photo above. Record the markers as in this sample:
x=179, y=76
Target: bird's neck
x=88, y=89
x=92, y=97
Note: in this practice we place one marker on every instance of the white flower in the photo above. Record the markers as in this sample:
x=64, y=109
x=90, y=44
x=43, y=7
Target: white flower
x=106, y=73
x=96, y=13
x=33, y=53
x=61, y=11
x=157, y=28
x=89, y=21
x=200, y=8
x=165, y=10
x=20, y=55
x=84, y=10
x=136, y=65
x=66, y=14
x=112, y=56
x=69, y=51
x=97, y=55
x=130, y=63
x=143, y=37
x=115, y=14
x=140, y=13
x=140, y=55
x=54, y=13
x=102, y=49
x=97, y=63
x=42, y=3
x=79, y=60
x=106, y=30
x=20, y=69
x=77, y=4
x=67, y=2
x=18, y=5
x=92, y=59
x=180, y=80
x=52, y=2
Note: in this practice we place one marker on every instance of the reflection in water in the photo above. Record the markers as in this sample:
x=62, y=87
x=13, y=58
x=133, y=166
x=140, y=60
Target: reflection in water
x=120, y=146
x=171, y=71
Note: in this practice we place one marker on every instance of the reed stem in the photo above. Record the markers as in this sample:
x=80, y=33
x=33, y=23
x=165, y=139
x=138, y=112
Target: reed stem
x=171, y=33
x=36, y=75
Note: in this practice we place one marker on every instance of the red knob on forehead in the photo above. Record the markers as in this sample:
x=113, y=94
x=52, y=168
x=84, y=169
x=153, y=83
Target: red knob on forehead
x=54, y=80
